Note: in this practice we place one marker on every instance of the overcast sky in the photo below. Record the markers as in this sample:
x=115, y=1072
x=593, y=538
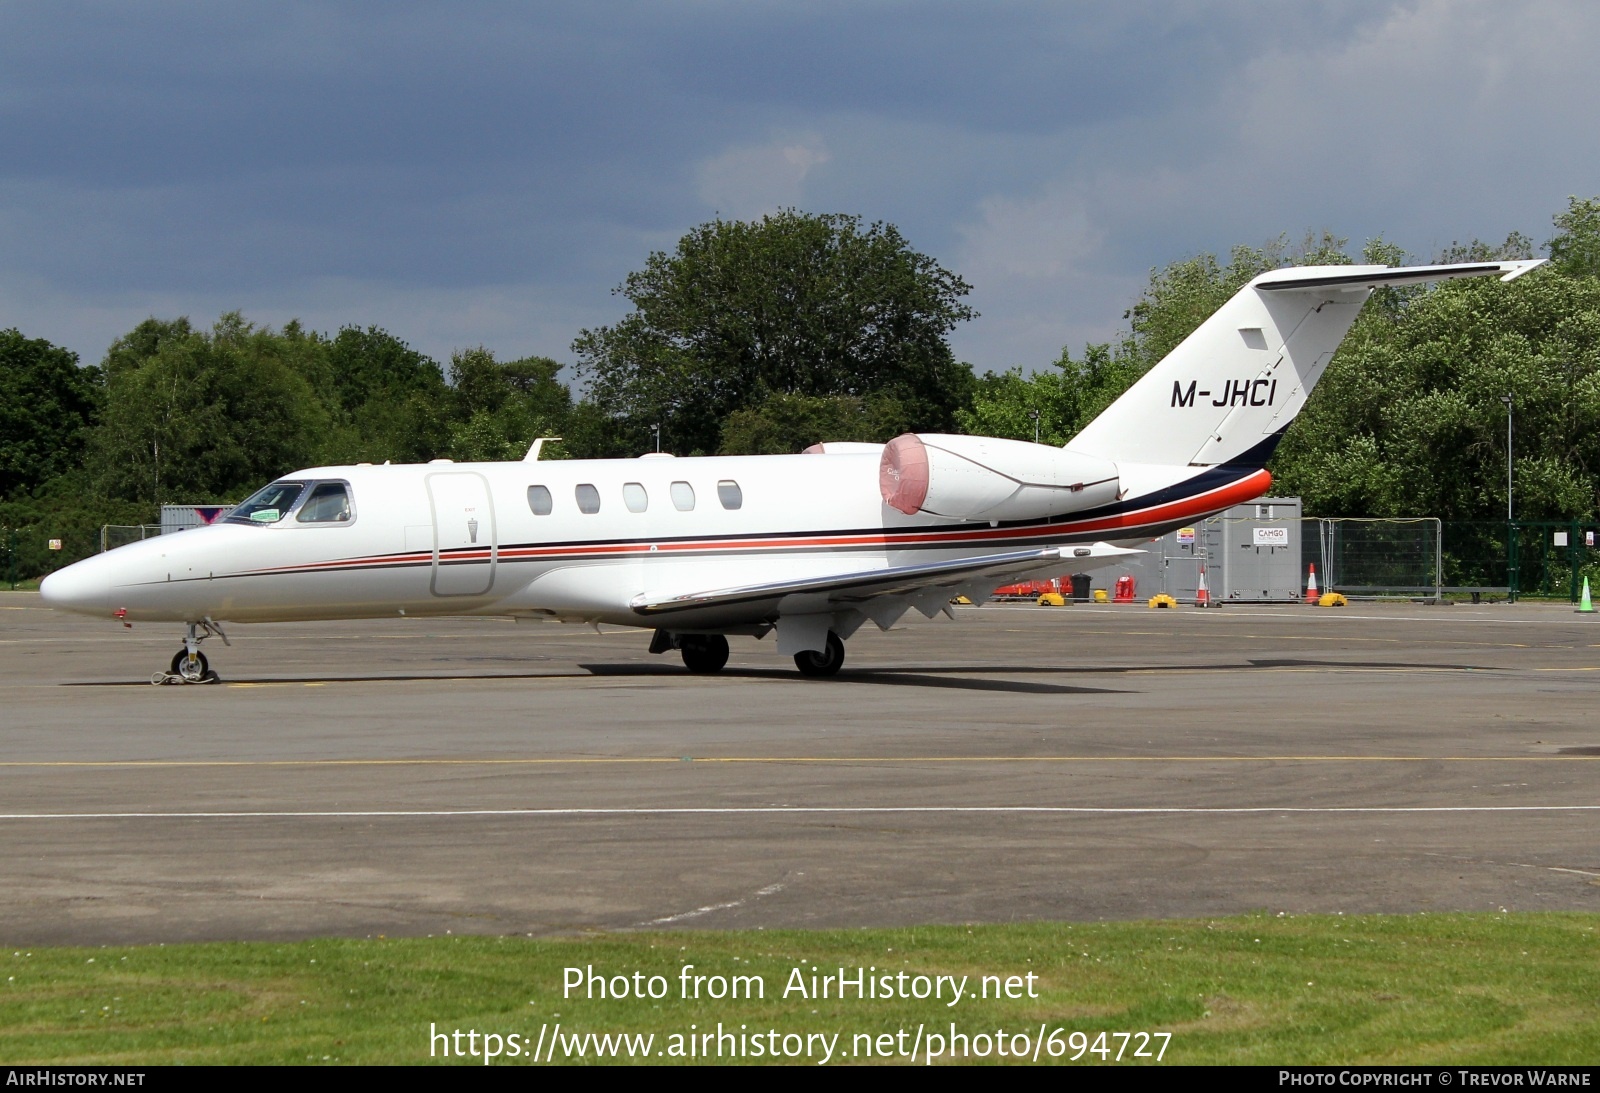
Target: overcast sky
x=485, y=174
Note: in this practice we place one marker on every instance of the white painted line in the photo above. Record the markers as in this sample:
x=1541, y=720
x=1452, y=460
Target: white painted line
x=785, y=810
x=698, y=911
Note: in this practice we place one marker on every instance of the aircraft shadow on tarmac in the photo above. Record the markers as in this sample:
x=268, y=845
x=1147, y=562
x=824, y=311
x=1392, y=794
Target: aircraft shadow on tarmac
x=950, y=677
x=920, y=678
x=959, y=677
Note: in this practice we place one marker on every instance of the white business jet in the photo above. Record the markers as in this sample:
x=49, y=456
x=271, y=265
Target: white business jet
x=810, y=546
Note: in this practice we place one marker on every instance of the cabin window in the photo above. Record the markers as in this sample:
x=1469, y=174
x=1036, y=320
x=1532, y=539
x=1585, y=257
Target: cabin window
x=634, y=496
x=588, y=498
x=268, y=505
x=683, y=497
x=540, y=501
x=329, y=503
x=729, y=494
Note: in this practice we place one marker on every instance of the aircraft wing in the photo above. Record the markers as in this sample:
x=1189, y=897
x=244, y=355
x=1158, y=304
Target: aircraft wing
x=845, y=589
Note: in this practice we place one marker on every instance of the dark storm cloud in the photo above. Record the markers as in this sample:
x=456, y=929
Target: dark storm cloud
x=489, y=172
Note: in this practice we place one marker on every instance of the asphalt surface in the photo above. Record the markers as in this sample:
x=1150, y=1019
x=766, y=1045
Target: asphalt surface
x=413, y=777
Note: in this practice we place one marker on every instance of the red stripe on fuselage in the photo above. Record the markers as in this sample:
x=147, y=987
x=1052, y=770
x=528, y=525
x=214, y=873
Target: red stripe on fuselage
x=1237, y=492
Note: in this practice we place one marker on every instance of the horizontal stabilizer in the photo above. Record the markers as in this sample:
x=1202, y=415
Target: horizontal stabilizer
x=854, y=588
x=1356, y=277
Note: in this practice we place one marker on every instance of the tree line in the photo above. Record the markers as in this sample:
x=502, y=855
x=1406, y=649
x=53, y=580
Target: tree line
x=766, y=336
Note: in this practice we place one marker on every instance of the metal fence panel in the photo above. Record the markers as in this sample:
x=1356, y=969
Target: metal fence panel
x=114, y=535
x=1373, y=556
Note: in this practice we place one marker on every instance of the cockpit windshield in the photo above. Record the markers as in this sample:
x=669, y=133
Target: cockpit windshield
x=268, y=505
x=328, y=503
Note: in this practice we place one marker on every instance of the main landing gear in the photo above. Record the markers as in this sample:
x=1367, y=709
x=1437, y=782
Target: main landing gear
x=703, y=653
x=189, y=664
x=824, y=663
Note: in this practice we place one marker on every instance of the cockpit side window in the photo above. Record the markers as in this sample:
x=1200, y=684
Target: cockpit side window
x=268, y=505
x=328, y=503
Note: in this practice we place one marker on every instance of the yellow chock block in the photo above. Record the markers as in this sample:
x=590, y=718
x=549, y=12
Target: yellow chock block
x=1052, y=599
x=962, y=601
x=1101, y=596
x=1163, y=600
x=1332, y=599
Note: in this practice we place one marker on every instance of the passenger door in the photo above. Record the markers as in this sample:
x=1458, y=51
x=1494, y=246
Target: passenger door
x=464, y=535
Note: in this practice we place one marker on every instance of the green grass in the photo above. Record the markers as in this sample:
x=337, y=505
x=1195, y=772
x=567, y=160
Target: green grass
x=1260, y=989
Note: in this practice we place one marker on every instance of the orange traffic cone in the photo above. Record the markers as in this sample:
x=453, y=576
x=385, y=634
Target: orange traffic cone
x=1311, y=586
x=1202, y=597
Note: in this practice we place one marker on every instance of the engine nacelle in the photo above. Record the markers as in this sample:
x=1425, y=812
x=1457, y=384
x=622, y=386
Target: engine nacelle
x=982, y=477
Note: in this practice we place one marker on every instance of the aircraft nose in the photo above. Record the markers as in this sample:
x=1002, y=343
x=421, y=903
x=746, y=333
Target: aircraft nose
x=82, y=587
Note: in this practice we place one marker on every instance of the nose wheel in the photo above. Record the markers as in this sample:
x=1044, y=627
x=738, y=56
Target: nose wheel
x=188, y=668
x=189, y=664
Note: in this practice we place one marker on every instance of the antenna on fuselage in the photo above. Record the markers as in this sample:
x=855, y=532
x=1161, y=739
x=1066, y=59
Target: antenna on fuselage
x=533, y=452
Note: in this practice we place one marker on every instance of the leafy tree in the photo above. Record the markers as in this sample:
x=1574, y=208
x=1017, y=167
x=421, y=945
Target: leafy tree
x=795, y=304
x=1517, y=246
x=1065, y=399
x=206, y=416
x=785, y=424
x=392, y=401
x=1177, y=300
x=47, y=404
x=1184, y=294
x=1576, y=246
x=1408, y=420
x=501, y=408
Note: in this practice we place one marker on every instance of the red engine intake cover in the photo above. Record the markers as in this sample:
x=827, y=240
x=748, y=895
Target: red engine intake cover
x=903, y=473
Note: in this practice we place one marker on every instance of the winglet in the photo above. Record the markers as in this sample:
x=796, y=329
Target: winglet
x=1517, y=269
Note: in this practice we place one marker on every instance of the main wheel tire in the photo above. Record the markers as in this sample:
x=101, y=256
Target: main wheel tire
x=824, y=663
x=182, y=668
x=703, y=653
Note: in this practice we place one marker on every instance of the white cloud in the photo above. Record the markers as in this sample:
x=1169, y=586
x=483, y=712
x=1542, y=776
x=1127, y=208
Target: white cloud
x=747, y=181
x=1052, y=158
x=1033, y=263
x=1445, y=120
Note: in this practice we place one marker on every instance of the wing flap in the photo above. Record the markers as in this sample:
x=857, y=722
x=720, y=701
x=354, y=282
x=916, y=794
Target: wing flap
x=866, y=585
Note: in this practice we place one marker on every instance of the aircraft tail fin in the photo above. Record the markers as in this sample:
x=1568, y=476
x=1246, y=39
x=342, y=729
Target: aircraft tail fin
x=1229, y=390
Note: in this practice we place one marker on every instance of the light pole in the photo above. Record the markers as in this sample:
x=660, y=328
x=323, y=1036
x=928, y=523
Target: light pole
x=1035, y=415
x=1511, y=528
x=1507, y=400
x=656, y=429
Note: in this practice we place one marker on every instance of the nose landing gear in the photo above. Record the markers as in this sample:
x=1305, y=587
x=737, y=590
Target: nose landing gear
x=189, y=664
